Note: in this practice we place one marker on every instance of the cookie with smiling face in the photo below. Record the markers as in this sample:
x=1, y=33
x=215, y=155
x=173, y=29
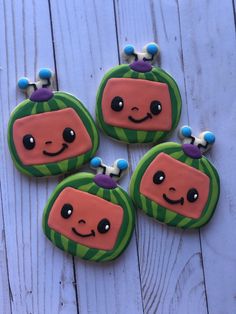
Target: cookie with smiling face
x=90, y=216
x=138, y=103
x=175, y=184
x=51, y=132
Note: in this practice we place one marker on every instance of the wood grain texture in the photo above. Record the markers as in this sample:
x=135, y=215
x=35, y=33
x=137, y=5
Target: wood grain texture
x=169, y=284
x=163, y=270
x=82, y=60
x=5, y=291
x=210, y=63
x=40, y=278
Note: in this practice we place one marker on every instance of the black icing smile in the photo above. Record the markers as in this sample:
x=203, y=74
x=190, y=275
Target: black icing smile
x=92, y=234
x=148, y=116
x=170, y=201
x=64, y=146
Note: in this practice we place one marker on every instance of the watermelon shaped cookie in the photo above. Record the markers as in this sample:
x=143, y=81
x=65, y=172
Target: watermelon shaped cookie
x=137, y=102
x=175, y=184
x=51, y=132
x=90, y=216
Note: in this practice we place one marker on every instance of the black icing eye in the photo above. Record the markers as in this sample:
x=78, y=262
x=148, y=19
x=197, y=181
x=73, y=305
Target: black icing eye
x=104, y=226
x=192, y=195
x=155, y=107
x=117, y=103
x=28, y=141
x=66, y=211
x=159, y=177
x=69, y=135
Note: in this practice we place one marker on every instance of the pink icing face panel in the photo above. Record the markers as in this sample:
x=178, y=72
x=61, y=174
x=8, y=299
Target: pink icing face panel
x=176, y=186
x=137, y=104
x=86, y=219
x=50, y=137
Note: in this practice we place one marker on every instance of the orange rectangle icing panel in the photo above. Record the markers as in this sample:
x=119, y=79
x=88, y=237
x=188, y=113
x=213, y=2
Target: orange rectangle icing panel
x=176, y=186
x=50, y=137
x=137, y=104
x=86, y=219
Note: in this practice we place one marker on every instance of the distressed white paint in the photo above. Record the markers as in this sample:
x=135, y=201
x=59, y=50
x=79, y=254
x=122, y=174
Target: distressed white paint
x=163, y=270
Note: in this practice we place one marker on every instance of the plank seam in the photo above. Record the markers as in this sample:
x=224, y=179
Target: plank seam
x=203, y=270
x=182, y=60
x=53, y=41
x=5, y=248
x=234, y=14
x=1, y=192
x=75, y=285
x=116, y=28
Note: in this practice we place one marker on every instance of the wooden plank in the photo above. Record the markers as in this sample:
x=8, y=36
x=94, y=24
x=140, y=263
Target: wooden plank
x=170, y=260
x=5, y=291
x=85, y=48
x=210, y=62
x=40, y=277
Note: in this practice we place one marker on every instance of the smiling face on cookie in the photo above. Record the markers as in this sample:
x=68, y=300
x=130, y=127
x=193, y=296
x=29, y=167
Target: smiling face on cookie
x=176, y=186
x=89, y=219
x=137, y=104
x=86, y=219
x=50, y=137
x=138, y=107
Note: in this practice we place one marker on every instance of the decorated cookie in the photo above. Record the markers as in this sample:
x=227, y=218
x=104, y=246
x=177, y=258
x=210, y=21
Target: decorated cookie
x=90, y=216
x=51, y=132
x=137, y=102
x=175, y=184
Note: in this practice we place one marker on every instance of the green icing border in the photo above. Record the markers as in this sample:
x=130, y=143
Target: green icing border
x=60, y=101
x=161, y=213
x=84, y=182
x=133, y=136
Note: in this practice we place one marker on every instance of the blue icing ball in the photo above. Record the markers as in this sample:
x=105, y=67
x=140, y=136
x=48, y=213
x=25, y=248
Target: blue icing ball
x=129, y=50
x=186, y=131
x=45, y=74
x=152, y=49
x=23, y=83
x=209, y=137
x=95, y=162
x=122, y=164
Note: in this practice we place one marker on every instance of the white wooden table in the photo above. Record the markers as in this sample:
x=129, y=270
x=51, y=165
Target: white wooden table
x=163, y=270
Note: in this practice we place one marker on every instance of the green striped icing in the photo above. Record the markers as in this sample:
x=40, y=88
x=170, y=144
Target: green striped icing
x=60, y=101
x=161, y=213
x=137, y=136
x=84, y=182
